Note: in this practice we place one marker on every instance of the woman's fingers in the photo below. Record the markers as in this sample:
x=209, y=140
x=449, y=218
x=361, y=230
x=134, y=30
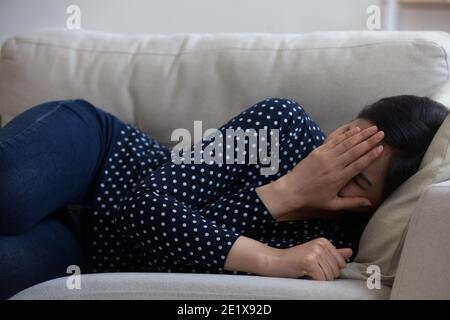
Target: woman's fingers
x=338, y=131
x=330, y=260
x=363, y=162
x=356, y=151
x=338, y=259
x=334, y=258
x=346, y=253
x=316, y=272
x=333, y=142
x=343, y=203
x=333, y=265
x=355, y=140
x=324, y=263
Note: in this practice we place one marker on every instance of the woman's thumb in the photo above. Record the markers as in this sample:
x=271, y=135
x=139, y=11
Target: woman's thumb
x=343, y=203
x=345, y=252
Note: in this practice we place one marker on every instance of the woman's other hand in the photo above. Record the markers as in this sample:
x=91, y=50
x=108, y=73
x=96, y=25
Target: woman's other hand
x=317, y=259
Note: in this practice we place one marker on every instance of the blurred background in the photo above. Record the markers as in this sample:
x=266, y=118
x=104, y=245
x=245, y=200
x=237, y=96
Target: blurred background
x=204, y=16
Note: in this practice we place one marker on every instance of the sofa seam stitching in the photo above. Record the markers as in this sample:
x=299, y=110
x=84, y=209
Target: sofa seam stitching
x=395, y=43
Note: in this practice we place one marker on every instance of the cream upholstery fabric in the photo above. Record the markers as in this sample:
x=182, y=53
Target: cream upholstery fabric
x=423, y=268
x=200, y=286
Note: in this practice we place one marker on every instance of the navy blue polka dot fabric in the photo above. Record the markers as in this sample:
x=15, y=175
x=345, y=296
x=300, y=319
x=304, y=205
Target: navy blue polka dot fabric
x=151, y=214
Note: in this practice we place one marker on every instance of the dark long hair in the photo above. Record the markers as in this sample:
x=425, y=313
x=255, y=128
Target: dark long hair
x=409, y=123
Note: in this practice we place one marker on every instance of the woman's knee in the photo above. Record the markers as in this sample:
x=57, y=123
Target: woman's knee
x=291, y=117
x=279, y=113
x=83, y=109
x=276, y=108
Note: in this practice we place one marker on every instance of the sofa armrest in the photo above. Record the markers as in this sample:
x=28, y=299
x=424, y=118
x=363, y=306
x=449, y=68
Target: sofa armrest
x=423, y=271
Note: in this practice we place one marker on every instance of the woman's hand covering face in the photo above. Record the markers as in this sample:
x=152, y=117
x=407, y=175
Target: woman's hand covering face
x=323, y=173
x=315, y=182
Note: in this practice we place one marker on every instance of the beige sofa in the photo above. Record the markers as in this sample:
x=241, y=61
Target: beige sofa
x=164, y=82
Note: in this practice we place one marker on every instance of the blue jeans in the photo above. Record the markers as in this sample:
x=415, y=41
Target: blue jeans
x=50, y=156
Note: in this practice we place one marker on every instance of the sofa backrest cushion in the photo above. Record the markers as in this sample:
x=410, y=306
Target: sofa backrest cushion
x=163, y=82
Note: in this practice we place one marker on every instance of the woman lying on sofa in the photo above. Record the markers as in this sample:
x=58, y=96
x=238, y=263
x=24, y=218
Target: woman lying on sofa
x=142, y=212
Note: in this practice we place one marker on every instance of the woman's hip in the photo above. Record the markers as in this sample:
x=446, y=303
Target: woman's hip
x=49, y=156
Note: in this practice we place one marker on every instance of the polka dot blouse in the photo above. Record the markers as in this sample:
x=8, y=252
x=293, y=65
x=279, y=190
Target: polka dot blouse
x=151, y=214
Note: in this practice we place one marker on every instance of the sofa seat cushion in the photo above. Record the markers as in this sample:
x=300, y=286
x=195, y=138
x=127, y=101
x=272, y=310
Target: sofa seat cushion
x=174, y=286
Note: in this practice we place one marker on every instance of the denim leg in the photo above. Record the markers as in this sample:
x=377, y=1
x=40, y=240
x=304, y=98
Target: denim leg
x=42, y=253
x=49, y=156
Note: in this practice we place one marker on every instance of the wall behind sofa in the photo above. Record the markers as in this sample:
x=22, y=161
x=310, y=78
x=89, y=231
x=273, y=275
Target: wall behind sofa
x=169, y=16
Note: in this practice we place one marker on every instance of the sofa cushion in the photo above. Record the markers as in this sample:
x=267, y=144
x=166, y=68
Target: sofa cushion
x=199, y=286
x=163, y=82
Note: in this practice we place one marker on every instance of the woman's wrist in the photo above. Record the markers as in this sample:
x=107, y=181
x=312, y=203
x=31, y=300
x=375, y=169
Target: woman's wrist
x=249, y=255
x=278, y=197
x=271, y=262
